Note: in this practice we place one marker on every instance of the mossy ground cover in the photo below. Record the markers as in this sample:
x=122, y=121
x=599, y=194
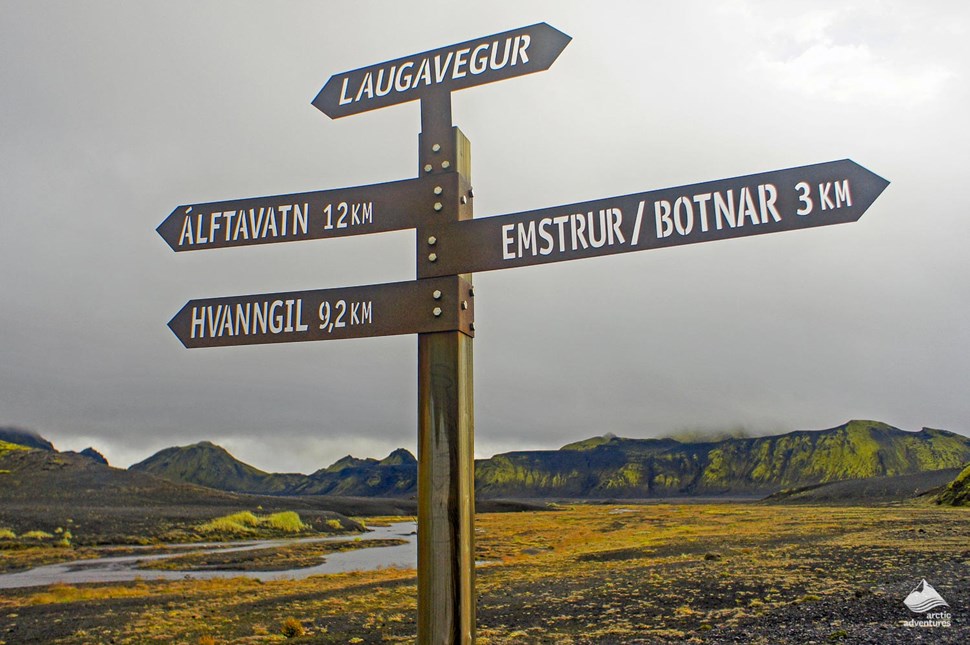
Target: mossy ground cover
x=247, y=524
x=726, y=573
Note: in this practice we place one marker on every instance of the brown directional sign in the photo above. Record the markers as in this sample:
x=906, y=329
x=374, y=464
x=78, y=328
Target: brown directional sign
x=827, y=193
x=419, y=306
x=475, y=62
x=376, y=208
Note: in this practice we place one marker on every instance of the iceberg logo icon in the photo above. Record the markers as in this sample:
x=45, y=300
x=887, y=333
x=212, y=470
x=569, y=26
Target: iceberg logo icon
x=924, y=598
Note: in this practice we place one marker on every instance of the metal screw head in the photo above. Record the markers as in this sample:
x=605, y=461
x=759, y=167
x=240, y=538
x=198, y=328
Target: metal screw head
x=464, y=200
x=438, y=190
x=428, y=167
x=436, y=295
x=464, y=304
x=471, y=326
x=436, y=148
x=438, y=206
x=471, y=292
x=446, y=164
x=436, y=311
x=432, y=257
x=432, y=240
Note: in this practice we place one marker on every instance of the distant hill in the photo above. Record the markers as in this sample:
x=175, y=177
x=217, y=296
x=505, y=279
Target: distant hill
x=207, y=464
x=757, y=466
x=394, y=476
x=957, y=492
x=610, y=466
x=49, y=490
x=23, y=437
x=91, y=453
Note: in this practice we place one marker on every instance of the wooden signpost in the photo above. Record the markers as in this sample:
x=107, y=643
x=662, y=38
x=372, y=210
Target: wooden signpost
x=451, y=245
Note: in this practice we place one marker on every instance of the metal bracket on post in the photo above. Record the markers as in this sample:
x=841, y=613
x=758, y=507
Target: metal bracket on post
x=446, y=477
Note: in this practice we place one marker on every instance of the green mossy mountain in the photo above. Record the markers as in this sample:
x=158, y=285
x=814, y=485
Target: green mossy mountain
x=957, y=492
x=207, y=464
x=745, y=466
x=394, y=476
x=47, y=490
x=610, y=466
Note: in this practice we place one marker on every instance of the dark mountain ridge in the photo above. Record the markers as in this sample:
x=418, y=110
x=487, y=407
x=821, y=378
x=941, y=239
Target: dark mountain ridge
x=46, y=490
x=745, y=466
x=207, y=464
x=23, y=437
x=609, y=466
x=210, y=465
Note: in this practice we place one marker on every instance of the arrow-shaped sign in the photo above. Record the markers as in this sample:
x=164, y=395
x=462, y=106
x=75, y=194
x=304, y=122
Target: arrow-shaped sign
x=474, y=62
x=784, y=200
x=376, y=208
x=415, y=307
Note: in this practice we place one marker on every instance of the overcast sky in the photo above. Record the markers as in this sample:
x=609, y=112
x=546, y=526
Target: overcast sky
x=113, y=113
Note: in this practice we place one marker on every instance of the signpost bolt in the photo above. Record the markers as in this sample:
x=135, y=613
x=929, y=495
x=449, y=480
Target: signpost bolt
x=432, y=240
x=436, y=311
x=438, y=190
x=438, y=206
x=428, y=168
x=471, y=326
x=464, y=200
x=436, y=148
x=432, y=257
x=464, y=304
x=436, y=295
x=446, y=164
x=471, y=292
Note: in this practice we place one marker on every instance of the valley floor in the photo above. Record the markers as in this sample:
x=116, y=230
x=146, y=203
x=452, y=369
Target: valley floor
x=660, y=573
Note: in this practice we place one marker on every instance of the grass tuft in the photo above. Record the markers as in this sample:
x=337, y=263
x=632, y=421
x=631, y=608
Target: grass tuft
x=247, y=524
x=292, y=628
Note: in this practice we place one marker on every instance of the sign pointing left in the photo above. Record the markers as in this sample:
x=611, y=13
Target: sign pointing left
x=415, y=307
x=300, y=216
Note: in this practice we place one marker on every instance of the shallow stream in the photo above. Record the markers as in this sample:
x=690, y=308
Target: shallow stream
x=132, y=567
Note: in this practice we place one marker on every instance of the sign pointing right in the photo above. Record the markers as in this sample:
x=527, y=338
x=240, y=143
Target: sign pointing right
x=828, y=193
x=475, y=62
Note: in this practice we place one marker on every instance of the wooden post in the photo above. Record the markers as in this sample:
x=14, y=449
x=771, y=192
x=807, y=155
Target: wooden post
x=446, y=477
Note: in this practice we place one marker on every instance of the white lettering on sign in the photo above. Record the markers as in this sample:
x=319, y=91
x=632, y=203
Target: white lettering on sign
x=265, y=222
x=343, y=313
x=248, y=319
x=345, y=215
x=757, y=205
x=585, y=230
x=413, y=74
x=830, y=195
x=675, y=216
